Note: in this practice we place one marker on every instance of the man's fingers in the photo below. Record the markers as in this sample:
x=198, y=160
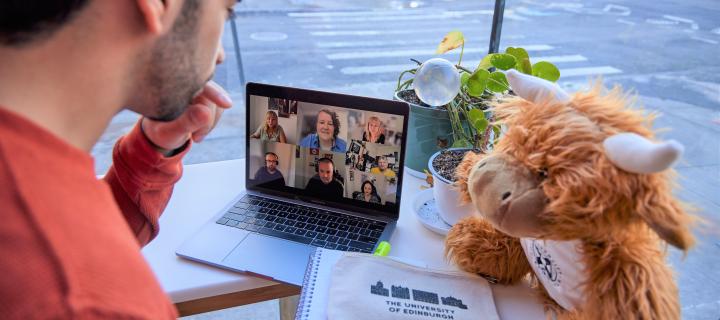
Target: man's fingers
x=201, y=116
x=196, y=123
x=216, y=94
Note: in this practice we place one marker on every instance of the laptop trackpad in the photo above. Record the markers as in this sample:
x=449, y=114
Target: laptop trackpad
x=282, y=260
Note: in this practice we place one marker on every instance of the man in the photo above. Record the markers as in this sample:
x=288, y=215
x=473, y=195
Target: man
x=383, y=168
x=323, y=184
x=71, y=244
x=268, y=175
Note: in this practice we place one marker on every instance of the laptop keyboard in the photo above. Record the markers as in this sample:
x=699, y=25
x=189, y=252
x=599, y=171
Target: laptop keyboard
x=308, y=225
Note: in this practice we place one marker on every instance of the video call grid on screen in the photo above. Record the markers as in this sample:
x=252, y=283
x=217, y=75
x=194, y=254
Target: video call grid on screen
x=330, y=153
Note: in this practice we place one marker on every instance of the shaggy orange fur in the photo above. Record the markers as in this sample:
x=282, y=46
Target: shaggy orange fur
x=620, y=218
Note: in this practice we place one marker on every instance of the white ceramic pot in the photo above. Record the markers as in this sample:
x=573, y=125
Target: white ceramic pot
x=447, y=199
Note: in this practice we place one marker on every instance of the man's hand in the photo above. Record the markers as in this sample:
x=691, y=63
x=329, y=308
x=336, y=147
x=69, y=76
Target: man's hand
x=197, y=121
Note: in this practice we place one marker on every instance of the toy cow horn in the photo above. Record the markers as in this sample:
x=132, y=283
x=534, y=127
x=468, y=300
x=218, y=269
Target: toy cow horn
x=635, y=153
x=535, y=89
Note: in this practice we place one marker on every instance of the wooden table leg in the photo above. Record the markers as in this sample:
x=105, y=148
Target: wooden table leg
x=288, y=306
x=274, y=291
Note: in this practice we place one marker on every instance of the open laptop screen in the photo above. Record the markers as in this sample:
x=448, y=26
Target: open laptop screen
x=331, y=149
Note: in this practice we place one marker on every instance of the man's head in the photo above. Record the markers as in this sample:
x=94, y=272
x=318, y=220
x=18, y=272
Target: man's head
x=24, y=22
x=382, y=163
x=271, y=161
x=326, y=167
x=158, y=53
x=178, y=65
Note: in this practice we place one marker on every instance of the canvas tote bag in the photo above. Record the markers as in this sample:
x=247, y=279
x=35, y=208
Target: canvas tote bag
x=370, y=287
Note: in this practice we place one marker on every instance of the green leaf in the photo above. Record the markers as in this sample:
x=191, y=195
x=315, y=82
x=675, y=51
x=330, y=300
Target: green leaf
x=503, y=61
x=481, y=125
x=498, y=82
x=475, y=115
x=461, y=143
x=464, y=76
x=477, y=82
x=546, y=70
x=477, y=119
x=522, y=57
x=485, y=63
x=524, y=66
x=451, y=41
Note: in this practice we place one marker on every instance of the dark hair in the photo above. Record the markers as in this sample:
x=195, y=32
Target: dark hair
x=335, y=120
x=25, y=21
x=326, y=160
x=362, y=187
x=272, y=153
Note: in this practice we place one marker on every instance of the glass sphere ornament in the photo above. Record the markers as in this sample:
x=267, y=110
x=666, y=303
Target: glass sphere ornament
x=437, y=82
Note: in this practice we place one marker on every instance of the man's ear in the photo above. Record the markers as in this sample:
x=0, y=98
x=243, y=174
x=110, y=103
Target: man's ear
x=159, y=15
x=664, y=215
x=462, y=173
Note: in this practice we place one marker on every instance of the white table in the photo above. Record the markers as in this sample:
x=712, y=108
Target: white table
x=194, y=287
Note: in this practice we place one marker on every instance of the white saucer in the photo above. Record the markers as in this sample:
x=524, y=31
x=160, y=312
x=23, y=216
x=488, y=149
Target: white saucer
x=427, y=214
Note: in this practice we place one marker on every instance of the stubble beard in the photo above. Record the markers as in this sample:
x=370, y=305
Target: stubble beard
x=172, y=77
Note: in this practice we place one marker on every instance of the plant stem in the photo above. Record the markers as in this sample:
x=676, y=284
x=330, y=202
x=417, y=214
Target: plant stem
x=458, y=129
x=401, y=76
x=462, y=49
x=406, y=84
x=471, y=128
x=463, y=69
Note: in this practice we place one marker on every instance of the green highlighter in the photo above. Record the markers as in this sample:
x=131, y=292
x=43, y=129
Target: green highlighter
x=383, y=249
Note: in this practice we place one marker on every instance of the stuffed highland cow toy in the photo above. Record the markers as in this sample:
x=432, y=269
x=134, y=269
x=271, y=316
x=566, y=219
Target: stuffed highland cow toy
x=577, y=195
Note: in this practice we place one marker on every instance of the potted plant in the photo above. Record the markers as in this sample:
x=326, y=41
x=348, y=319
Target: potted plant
x=450, y=108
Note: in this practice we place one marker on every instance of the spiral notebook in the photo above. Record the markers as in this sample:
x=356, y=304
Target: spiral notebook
x=313, y=298
x=341, y=285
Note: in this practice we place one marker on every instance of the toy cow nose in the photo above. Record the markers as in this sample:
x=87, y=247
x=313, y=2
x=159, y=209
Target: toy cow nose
x=506, y=195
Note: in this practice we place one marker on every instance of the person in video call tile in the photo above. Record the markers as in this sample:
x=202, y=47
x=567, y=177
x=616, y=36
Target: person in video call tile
x=374, y=131
x=270, y=130
x=269, y=175
x=327, y=128
x=383, y=168
x=323, y=184
x=368, y=193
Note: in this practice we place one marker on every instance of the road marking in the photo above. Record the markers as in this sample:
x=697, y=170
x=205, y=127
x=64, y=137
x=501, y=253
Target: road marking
x=660, y=22
x=388, y=68
x=268, y=36
x=623, y=21
x=371, y=43
x=412, y=53
x=399, y=43
x=617, y=10
x=370, y=32
x=589, y=71
x=465, y=24
x=710, y=41
x=693, y=25
x=369, y=13
x=397, y=68
x=442, y=15
x=534, y=12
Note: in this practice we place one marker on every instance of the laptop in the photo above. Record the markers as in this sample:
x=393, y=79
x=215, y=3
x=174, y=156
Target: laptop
x=322, y=170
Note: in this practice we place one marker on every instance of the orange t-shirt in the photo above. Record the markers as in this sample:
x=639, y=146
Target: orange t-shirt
x=70, y=243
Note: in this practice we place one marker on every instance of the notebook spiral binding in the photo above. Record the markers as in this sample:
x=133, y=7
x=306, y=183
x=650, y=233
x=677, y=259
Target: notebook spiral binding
x=308, y=286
